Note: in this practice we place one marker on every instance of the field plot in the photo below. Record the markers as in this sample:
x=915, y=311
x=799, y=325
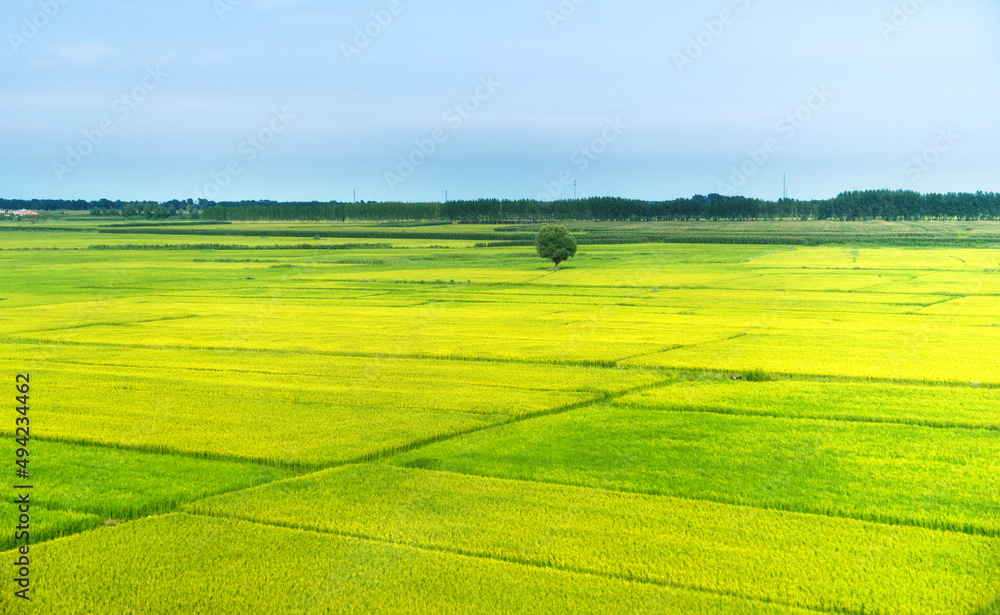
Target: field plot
x=257, y=418
x=860, y=349
x=181, y=563
x=890, y=473
x=803, y=560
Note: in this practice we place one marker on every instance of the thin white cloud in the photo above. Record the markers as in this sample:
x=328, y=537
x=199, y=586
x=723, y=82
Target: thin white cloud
x=84, y=53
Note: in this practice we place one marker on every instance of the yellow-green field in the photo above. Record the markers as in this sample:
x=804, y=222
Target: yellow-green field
x=224, y=422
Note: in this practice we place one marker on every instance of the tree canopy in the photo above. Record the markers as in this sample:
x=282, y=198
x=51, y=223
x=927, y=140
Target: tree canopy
x=555, y=243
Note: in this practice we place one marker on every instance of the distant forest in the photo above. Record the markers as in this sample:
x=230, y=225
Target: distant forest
x=858, y=205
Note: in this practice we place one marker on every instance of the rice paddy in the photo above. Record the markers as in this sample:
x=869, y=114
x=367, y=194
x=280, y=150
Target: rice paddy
x=421, y=425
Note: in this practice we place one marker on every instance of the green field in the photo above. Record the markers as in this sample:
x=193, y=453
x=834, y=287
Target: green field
x=263, y=418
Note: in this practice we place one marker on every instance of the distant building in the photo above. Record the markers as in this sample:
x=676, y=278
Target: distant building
x=24, y=212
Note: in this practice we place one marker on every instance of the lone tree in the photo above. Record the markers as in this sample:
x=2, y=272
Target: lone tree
x=555, y=244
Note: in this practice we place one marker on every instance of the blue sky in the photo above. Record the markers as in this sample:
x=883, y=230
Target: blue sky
x=293, y=100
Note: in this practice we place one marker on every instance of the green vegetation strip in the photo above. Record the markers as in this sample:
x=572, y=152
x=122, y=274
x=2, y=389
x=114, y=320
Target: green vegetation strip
x=344, y=234
x=76, y=487
x=186, y=564
x=118, y=484
x=43, y=524
x=804, y=560
x=897, y=474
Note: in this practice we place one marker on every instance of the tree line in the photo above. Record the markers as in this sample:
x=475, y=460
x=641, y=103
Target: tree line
x=856, y=205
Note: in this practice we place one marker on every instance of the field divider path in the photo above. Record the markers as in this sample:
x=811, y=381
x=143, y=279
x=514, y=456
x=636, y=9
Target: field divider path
x=376, y=456
x=599, y=399
x=260, y=372
x=160, y=450
x=609, y=364
x=523, y=562
x=942, y=302
x=680, y=347
x=112, y=324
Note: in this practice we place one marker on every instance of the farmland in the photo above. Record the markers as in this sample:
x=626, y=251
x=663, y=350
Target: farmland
x=324, y=418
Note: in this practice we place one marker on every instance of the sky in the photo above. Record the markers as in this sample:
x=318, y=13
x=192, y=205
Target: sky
x=303, y=100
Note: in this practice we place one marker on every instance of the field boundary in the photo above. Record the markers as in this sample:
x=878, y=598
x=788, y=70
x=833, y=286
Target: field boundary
x=680, y=347
x=600, y=399
x=364, y=458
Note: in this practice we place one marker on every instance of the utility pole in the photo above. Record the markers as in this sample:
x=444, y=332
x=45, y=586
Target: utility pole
x=785, y=191
x=445, y=196
x=574, y=189
x=355, y=195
